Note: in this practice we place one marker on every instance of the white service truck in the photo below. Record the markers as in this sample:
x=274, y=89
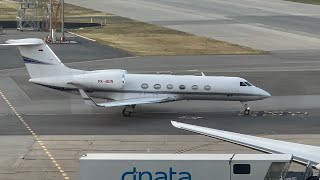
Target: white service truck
x=184, y=166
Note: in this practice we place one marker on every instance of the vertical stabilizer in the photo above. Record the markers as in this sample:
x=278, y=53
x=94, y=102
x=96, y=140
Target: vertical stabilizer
x=39, y=59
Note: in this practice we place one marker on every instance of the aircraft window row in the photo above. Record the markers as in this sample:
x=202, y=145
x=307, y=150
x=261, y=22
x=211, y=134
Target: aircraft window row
x=245, y=84
x=182, y=87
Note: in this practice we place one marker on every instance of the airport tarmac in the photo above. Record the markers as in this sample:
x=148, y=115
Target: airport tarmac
x=43, y=131
x=271, y=25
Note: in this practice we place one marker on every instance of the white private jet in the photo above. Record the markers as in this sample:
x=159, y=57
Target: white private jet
x=129, y=90
x=305, y=154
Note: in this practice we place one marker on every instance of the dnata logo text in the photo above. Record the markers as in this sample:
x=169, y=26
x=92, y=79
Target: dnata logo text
x=160, y=175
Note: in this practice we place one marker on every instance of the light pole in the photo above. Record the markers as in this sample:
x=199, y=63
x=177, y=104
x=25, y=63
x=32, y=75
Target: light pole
x=50, y=20
x=62, y=20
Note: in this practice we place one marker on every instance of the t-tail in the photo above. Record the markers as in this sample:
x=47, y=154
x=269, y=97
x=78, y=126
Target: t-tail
x=40, y=60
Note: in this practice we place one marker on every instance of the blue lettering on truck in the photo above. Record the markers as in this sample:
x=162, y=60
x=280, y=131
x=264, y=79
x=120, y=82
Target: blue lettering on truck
x=160, y=175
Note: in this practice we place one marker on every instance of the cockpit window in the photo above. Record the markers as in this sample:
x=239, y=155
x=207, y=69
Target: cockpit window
x=243, y=84
x=249, y=84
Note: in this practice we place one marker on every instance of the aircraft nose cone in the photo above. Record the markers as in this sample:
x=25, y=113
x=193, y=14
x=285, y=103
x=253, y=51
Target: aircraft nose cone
x=264, y=94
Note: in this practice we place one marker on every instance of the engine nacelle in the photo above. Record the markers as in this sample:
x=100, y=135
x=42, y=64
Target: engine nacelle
x=100, y=80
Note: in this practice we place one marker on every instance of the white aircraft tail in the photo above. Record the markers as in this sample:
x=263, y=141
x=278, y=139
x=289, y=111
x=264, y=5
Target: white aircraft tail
x=39, y=59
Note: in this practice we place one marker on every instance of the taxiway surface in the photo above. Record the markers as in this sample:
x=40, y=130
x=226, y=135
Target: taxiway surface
x=268, y=25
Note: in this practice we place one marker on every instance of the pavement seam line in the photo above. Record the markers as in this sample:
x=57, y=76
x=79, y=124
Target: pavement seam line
x=75, y=34
x=35, y=136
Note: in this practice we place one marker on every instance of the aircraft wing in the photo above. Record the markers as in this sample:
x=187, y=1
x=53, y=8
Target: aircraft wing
x=301, y=153
x=88, y=100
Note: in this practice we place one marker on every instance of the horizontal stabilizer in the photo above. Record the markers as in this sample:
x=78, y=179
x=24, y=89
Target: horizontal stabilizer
x=125, y=102
x=301, y=153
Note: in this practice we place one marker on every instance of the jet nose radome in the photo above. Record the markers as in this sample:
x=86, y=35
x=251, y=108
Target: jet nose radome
x=264, y=94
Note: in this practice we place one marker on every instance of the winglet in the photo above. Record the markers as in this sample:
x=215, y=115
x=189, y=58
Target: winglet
x=87, y=99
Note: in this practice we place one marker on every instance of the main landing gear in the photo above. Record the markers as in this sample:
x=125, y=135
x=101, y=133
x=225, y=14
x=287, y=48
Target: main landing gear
x=247, y=110
x=128, y=110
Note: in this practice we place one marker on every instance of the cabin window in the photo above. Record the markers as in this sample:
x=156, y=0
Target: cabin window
x=169, y=86
x=194, y=87
x=182, y=87
x=243, y=84
x=207, y=87
x=241, y=169
x=144, y=86
x=157, y=86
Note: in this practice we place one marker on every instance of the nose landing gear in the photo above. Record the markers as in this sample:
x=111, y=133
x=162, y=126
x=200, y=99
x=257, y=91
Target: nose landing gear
x=247, y=110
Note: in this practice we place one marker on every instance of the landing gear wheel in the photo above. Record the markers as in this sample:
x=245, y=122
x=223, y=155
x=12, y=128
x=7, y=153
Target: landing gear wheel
x=126, y=113
x=247, y=112
x=128, y=110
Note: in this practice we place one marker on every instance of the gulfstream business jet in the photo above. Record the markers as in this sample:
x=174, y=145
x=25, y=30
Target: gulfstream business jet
x=120, y=88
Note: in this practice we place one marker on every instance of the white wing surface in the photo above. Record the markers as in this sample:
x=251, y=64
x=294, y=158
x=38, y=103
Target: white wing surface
x=302, y=153
x=134, y=101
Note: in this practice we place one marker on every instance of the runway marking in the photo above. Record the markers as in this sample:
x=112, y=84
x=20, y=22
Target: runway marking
x=190, y=117
x=35, y=136
x=274, y=113
x=81, y=36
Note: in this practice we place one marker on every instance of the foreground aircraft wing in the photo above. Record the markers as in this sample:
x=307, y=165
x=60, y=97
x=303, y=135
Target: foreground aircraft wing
x=88, y=100
x=301, y=153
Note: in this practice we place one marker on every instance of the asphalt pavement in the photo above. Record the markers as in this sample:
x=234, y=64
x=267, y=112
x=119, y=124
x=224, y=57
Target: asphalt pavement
x=273, y=25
